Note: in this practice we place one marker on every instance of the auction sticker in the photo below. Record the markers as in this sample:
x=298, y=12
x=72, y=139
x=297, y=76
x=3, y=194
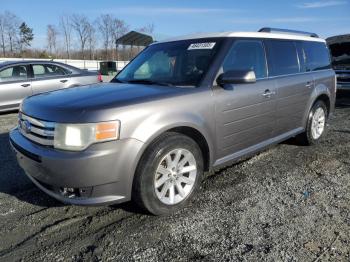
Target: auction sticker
x=201, y=46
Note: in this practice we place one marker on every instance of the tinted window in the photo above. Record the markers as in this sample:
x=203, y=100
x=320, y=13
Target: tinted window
x=317, y=56
x=246, y=54
x=15, y=73
x=48, y=70
x=282, y=57
x=56, y=70
x=182, y=63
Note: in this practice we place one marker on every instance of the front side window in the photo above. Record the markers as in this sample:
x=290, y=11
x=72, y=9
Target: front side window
x=317, y=56
x=246, y=55
x=282, y=57
x=178, y=63
x=14, y=73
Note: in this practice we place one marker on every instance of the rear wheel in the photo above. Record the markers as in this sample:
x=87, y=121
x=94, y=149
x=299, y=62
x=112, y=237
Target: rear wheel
x=168, y=174
x=316, y=124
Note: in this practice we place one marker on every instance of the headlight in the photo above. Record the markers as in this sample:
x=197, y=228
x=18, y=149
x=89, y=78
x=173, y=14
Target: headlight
x=77, y=137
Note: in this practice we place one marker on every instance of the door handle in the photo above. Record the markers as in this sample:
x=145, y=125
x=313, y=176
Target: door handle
x=63, y=81
x=308, y=85
x=268, y=93
x=25, y=85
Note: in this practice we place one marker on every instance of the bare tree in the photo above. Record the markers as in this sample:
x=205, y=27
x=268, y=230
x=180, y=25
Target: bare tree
x=119, y=29
x=80, y=24
x=105, y=25
x=12, y=30
x=51, y=37
x=2, y=34
x=91, y=41
x=147, y=29
x=66, y=28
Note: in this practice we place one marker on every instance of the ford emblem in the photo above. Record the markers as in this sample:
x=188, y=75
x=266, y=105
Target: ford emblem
x=26, y=126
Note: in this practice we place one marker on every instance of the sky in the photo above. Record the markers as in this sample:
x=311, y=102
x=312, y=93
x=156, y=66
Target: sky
x=173, y=18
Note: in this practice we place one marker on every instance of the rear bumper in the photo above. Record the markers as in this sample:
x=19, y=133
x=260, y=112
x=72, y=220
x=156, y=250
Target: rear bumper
x=101, y=174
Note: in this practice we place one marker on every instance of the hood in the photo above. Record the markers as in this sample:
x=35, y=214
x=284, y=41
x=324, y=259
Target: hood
x=80, y=103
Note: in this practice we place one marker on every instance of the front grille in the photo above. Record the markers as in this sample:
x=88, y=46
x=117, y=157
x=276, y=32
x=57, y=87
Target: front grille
x=343, y=77
x=38, y=131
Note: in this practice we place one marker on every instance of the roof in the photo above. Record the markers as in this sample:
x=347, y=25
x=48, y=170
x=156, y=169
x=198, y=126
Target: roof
x=338, y=39
x=14, y=62
x=135, y=38
x=248, y=35
x=19, y=61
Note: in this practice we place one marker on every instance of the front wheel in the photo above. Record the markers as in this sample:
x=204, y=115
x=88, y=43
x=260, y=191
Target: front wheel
x=316, y=124
x=168, y=175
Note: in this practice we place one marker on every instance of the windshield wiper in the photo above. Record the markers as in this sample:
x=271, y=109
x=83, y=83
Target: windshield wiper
x=148, y=82
x=116, y=80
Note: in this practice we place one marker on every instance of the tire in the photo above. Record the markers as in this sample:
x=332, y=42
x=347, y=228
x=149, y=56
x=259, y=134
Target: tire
x=309, y=137
x=158, y=188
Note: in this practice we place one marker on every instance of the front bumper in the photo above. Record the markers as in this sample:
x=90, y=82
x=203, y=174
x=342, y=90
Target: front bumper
x=101, y=174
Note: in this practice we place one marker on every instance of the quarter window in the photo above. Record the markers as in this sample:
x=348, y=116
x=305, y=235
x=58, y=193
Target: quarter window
x=317, y=56
x=247, y=54
x=282, y=57
x=14, y=73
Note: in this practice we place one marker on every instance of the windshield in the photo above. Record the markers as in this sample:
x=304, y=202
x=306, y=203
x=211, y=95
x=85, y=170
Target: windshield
x=178, y=63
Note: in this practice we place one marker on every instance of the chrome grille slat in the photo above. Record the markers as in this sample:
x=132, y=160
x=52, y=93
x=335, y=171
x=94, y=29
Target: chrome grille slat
x=38, y=131
x=42, y=141
x=37, y=122
x=42, y=132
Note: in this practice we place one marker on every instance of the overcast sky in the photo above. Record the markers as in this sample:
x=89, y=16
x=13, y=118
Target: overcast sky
x=177, y=17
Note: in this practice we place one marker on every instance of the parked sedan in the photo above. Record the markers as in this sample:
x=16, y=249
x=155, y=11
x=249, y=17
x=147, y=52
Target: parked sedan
x=20, y=79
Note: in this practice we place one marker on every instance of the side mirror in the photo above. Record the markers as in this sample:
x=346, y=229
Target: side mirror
x=236, y=77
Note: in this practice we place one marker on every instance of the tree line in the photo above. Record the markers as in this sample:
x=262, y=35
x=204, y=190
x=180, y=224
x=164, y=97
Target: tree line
x=75, y=36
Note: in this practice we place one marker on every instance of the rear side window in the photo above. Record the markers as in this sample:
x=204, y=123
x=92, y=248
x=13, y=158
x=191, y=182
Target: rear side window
x=247, y=54
x=48, y=70
x=14, y=73
x=317, y=56
x=282, y=57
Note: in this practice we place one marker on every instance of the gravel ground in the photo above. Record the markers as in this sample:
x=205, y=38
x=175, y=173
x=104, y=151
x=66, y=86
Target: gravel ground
x=289, y=203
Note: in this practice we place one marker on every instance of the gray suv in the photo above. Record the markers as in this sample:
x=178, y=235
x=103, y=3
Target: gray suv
x=180, y=108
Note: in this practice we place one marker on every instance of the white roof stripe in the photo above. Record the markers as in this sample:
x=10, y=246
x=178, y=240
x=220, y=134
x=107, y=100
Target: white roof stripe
x=248, y=35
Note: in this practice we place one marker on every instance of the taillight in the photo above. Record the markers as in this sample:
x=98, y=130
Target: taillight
x=99, y=77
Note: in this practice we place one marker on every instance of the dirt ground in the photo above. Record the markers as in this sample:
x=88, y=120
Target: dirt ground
x=289, y=203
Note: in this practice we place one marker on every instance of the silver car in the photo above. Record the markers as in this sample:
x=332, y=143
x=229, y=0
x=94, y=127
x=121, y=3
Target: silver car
x=181, y=108
x=20, y=79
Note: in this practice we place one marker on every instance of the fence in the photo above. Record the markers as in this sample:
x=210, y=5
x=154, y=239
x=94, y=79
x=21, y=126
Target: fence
x=82, y=64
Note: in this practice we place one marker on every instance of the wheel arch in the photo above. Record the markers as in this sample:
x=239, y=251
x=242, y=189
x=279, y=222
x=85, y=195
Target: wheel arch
x=320, y=93
x=324, y=98
x=192, y=132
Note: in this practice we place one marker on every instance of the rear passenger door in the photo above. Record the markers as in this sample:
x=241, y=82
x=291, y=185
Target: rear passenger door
x=244, y=113
x=14, y=86
x=286, y=61
x=48, y=77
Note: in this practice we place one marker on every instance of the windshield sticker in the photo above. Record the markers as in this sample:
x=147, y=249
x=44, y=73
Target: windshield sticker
x=201, y=46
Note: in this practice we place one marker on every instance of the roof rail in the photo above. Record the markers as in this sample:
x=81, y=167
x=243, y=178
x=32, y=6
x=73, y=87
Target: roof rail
x=287, y=31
